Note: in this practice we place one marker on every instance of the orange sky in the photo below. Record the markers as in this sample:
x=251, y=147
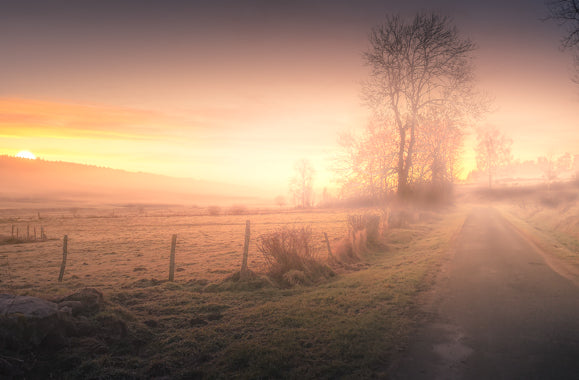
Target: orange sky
x=238, y=93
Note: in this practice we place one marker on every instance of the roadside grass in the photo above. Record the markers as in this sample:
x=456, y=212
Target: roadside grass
x=350, y=326
x=553, y=228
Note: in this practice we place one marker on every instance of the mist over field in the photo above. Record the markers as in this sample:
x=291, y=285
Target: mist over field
x=45, y=184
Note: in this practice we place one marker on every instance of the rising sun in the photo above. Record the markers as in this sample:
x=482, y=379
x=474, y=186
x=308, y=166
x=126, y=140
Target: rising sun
x=26, y=154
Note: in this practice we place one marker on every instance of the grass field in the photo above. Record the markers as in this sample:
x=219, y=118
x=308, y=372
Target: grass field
x=200, y=326
x=108, y=252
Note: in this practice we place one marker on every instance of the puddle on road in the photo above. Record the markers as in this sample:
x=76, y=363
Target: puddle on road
x=454, y=351
x=444, y=359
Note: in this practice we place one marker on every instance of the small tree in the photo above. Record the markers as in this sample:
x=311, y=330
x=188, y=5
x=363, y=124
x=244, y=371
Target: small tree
x=565, y=162
x=493, y=150
x=301, y=185
x=552, y=167
x=280, y=201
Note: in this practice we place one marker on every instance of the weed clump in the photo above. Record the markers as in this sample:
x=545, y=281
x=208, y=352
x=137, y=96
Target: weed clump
x=370, y=223
x=363, y=230
x=291, y=258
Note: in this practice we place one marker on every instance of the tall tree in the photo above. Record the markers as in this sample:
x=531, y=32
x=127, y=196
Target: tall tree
x=301, y=185
x=415, y=66
x=493, y=150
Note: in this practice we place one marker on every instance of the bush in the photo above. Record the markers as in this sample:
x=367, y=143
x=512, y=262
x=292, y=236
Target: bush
x=370, y=223
x=238, y=210
x=214, y=210
x=347, y=252
x=291, y=258
x=362, y=230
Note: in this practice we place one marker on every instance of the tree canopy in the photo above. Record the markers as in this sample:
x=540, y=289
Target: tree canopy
x=420, y=91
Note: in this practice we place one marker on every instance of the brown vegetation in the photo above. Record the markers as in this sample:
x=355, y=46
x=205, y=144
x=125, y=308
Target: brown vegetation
x=238, y=210
x=364, y=231
x=291, y=258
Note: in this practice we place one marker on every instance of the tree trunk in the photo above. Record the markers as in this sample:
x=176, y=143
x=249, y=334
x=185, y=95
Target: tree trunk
x=409, y=154
x=402, y=175
x=405, y=165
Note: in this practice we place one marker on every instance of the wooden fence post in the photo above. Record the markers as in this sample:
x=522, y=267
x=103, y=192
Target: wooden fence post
x=64, y=254
x=330, y=255
x=42, y=237
x=243, y=271
x=172, y=259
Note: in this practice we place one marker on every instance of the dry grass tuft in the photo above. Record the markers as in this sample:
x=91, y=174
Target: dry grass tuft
x=345, y=252
x=291, y=258
x=363, y=230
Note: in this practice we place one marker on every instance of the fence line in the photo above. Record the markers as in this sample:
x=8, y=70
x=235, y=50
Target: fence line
x=244, y=271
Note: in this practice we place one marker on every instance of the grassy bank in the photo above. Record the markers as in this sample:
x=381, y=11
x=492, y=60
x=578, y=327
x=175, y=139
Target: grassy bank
x=348, y=327
x=550, y=219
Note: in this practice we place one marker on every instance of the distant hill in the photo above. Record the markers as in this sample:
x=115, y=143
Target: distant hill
x=25, y=181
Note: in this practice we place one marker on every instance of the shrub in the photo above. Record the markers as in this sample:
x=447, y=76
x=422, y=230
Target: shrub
x=291, y=258
x=214, y=210
x=238, y=210
x=362, y=230
x=372, y=227
x=369, y=223
x=345, y=252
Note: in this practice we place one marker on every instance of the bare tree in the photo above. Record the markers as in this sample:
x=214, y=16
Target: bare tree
x=280, y=201
x=553, y=167
x=565, y=162
x=493, y=150
x=301, y=185
x=566, y=14
x=549, y=169
x=416, y=66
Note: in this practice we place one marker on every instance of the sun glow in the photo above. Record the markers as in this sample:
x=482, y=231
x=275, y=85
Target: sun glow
x=26, y=154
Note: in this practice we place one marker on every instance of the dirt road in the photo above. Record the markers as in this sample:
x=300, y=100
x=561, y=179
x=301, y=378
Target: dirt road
x=499, y=312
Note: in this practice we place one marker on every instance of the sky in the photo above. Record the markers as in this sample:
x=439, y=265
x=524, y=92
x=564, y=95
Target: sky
x=238, y=91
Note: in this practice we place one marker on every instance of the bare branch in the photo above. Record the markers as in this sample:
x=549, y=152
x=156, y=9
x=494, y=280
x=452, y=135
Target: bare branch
x=566, y=14
x=416, y=67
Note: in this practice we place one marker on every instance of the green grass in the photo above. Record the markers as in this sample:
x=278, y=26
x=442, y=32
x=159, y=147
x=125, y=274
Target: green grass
x=349, y=327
